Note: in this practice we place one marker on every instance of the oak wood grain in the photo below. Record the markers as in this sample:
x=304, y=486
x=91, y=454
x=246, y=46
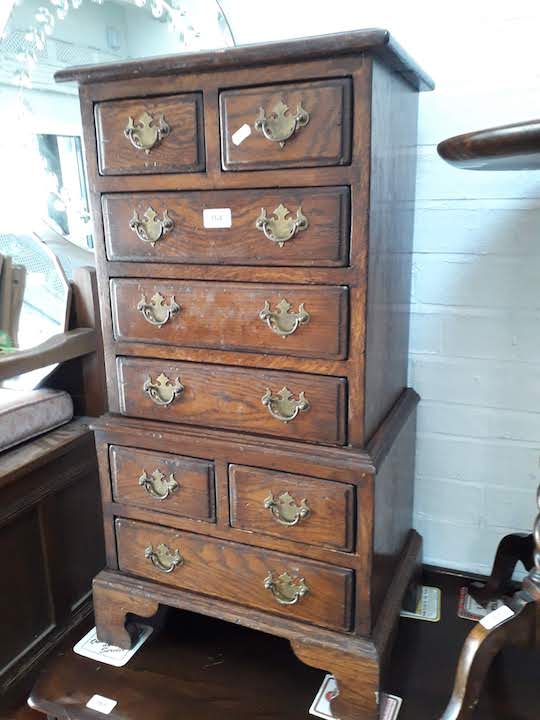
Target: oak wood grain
x=325, y=242
x=376, y=41
x=193, y=497
x=325, y=140
x=236, y=573
x=182, y=150
x=227, y=317
x=231, y=398
x=331, y=506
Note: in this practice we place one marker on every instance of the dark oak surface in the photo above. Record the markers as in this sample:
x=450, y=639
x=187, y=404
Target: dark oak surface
x=228, y=397
x=200, y=669
x=331, y=506
x=226, y=316
x=325, y=242
x=52, y=550
x=194, y=495
x=506, y=147
x=375, y=40
x=237, y=573
x=182, y=150
x=325, y=140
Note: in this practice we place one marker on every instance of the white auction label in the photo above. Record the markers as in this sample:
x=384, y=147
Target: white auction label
x=241, y=134
x=497, y=617
x=217, y=218
x=101, y=704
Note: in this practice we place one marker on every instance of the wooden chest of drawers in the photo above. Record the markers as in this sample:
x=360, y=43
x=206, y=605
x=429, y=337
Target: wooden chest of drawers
x=253, y=220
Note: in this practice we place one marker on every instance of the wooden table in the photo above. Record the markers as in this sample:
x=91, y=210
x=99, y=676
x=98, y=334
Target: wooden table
x=201, y=669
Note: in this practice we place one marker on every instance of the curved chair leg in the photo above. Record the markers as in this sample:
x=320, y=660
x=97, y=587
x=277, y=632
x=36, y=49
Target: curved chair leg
x=511, y=550
x=479, y=650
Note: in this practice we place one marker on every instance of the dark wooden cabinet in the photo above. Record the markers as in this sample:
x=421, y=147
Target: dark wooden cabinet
x=52, y=550
x=253, y=219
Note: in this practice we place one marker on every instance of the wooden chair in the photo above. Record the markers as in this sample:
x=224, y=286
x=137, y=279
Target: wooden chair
x=510, y=147
x=50, y=513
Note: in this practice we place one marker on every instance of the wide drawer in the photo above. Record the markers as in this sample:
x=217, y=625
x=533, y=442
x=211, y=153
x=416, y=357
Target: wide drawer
x=292, y=226
x=150, y=135
x=294, y=507
x=287, y=405
x=293, y=587
x=162, y=482
x=302, y=124
x=306, y=321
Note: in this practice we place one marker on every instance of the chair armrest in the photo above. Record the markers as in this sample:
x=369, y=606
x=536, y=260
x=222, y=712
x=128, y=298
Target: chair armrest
x=56, y=349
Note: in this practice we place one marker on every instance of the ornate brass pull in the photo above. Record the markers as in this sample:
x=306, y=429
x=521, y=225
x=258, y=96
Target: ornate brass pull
x=144, y=133
x=286, y=589
x=157, y=312
x=280, y=320
x=157, y=486
x=163, y=391
x=279, y=125
x=281, y=227
x=283, y=406
x=163, y=558
x=285, y=510
x=151, y=229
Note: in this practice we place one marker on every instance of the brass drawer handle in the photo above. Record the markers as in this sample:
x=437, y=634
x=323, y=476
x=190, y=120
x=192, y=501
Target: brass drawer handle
x=281, y=226
x=144, y=133
x=157, y=486
x=163, y=391
x=163, y=558
x=286, y=589
x=285, y=510
x=151, y=228
x=281, y=320
x=279, y=125
x=157, y=312
x=283, y=406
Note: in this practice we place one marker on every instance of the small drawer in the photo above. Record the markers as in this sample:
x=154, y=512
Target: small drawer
x=283, y=404
x=277, y=126
x=293, y=507
x=150, y=135
x=305, y=321
x=163, y=483
x=285, y=585
x=291, y=226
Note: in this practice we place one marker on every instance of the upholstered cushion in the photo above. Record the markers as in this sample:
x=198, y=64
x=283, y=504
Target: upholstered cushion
x=27, y=413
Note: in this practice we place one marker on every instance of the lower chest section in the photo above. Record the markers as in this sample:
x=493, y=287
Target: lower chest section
x=240, y=523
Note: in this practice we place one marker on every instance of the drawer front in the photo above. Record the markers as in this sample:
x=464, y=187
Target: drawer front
x=287, y=405
x=294, y=507
x=313, y=592
x=150, y=135
x=292, y=226
x=300, y=125
x=163, y=483
x=297, y=320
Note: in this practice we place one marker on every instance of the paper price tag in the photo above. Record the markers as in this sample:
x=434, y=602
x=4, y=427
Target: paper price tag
x=101, y=704
x=241, y=134
x=497, y=617
x=217, y=218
